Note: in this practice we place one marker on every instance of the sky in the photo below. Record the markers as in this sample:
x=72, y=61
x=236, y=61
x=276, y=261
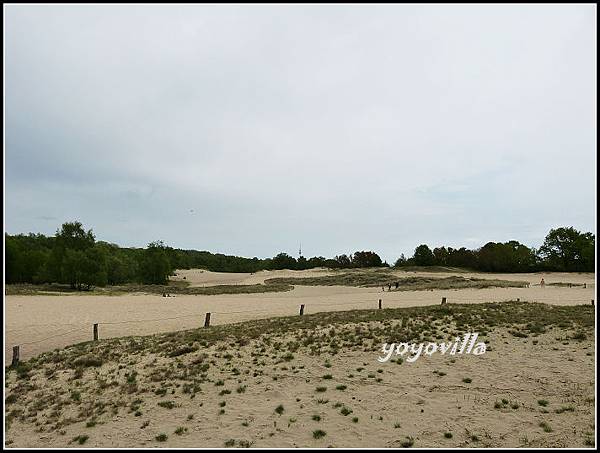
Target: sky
x=250, y=130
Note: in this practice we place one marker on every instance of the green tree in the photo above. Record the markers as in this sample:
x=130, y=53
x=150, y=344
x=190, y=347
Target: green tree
x=366, y=259
x=69, y=253
x=154, y=266
x=566, y=249
x=423, y=256
x=400, y=262
x=283, y=261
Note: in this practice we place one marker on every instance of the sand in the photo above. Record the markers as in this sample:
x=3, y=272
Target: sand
x=43, y=323
x=427, y=402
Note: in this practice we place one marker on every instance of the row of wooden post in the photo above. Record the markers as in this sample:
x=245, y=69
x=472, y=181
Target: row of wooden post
x=16, y=349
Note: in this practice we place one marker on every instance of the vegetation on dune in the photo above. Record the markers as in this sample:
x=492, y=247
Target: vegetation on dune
x=374, y=279
x=90, y=383
x=173, y=288
x=529, y=318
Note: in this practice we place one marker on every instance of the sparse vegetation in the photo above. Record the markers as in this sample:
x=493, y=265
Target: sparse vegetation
x=319, y=433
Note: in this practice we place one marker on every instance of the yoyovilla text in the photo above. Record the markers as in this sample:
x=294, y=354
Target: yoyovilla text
x=468, y=345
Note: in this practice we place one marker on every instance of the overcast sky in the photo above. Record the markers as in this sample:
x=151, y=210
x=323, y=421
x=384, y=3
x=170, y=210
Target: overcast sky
x=249, y=129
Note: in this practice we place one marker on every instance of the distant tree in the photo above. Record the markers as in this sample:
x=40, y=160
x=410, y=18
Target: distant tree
x=366, y=259
x=68, y=260
x=302, y=263
x=283, y=261
x=462, y=257
x=423, y=256
x=72, y=236
x=566, y=249
x=317, y=261
x=401, y=262
x=154, y=266
x=505, y=257
x=342, y=261
x=12, y=260
x=440, y=256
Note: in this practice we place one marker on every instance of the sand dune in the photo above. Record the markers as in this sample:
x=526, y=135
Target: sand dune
x=316, y=382
x=43, y=323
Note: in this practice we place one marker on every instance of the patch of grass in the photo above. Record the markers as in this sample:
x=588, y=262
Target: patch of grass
x=81, y=439
x=279, y=409
x=87, y=360
x=407, y=442
x=162, y=437
x=546, y=427
x=562, y=409
x=182, y=350
x=319, y=433
x=345, y=411
x=167, y=404
x=448, y=435
x=579, y=335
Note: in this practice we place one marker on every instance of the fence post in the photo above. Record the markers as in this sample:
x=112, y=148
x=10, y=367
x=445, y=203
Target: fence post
x=592, y=302
x=380, y=304
x=443, y=300
x=15, y=358
x=207, y=320
x=95, y=332
x=584, y=285
x=301, y=309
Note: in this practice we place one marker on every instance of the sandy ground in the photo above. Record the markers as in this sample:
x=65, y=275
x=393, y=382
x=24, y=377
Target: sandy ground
x=427, y=401
x=199, y=277
x=43, y=323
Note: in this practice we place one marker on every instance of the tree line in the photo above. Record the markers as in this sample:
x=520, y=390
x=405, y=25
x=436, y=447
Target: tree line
x=564, y=250
x=73, y=256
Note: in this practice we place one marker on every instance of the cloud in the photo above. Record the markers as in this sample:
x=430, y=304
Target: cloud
x=344, y=127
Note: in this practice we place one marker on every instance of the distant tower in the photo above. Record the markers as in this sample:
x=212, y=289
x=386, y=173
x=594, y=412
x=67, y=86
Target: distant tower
x=300, y=250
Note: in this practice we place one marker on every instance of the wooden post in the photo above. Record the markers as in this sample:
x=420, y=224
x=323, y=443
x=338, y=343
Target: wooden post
x=95, y=332
x=584, y=285
x=518, y=299
x=15, y=359
x=207, y=320
x=592, y=302
x=443, y=300
x=380, y=304
x=301, y=309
